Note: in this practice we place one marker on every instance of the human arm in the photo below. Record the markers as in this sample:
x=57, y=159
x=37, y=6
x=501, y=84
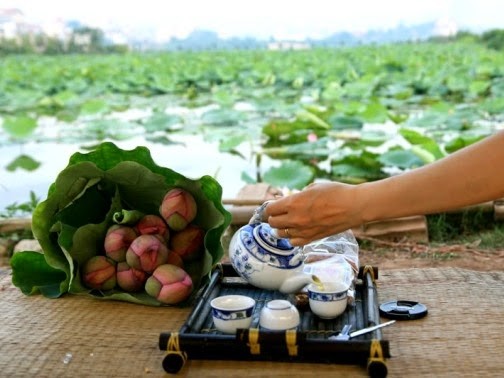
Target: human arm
x=468, y=176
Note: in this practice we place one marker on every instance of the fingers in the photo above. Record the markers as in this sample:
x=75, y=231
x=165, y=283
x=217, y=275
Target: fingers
x=279, y=221
x=298, y=242
x=274, y=208
x=284, y=233
x=299, y=237
x=277, y=218
x=284, y=223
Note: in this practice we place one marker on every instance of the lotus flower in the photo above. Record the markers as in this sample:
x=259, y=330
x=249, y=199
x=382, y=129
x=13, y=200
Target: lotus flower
x=130, y=279
x=153, y=225
x=169, y=284
x=178, y=208
x=99, y=272
x=117, y=241
x=146, y=253
x=188, y=243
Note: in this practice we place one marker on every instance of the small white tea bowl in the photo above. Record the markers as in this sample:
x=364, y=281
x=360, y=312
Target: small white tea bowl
x=329, y=300
x=230, y=312
x=279, y=315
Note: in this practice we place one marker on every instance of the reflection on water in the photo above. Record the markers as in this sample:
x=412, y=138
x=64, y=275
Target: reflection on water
x=193, y=159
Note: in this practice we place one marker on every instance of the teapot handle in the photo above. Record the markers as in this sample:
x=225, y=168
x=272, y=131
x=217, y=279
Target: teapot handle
x=257, y=216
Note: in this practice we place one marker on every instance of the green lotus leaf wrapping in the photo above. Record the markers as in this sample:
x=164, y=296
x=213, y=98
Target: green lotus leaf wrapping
x=97, y=189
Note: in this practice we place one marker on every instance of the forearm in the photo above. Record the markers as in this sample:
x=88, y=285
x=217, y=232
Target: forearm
x=469, y=176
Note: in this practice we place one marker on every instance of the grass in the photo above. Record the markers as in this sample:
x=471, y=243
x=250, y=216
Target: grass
x=19, y=210
x=437, y=256
x=467, y=227
x=494, y=238
x=467, y=238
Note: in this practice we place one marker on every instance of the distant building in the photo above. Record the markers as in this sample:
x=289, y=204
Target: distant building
x=14, y=26
x=57, y=28
x=288, y=45
x=11, y=21
x=116, y=37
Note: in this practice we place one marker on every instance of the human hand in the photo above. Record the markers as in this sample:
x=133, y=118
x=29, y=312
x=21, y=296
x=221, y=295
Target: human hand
x=318, y=211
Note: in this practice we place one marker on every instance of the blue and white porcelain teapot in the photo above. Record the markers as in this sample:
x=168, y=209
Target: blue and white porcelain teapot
x=265, y=260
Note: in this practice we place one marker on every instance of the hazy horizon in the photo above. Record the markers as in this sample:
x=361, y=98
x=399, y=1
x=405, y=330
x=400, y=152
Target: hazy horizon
x=262, y=19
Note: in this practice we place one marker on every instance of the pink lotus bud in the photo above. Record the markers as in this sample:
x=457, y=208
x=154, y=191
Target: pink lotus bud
x=175, y=259
x=118, y=240
x=130, y=279
x=178, y=208
x=169, y=284
x=188, y=243
x=312, y=137
x=153, y=225
x=146, y=253
x=99, y=272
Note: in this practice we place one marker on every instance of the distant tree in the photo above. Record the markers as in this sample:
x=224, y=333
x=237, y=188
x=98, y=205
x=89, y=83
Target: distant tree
x=116, y=49
x=494, y=39
x=8, y=46
x=54, y=46
x=466, y=36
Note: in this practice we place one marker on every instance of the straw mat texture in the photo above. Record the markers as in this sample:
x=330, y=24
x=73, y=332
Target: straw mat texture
x=463, y=335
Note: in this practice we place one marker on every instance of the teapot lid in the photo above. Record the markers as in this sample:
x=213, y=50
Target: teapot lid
x=266, y=238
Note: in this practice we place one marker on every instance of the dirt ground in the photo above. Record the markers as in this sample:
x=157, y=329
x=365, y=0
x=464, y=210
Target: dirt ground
x=393, y=255
x=403, y=255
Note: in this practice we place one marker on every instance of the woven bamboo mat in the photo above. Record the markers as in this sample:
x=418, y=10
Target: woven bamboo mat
x=77, y=336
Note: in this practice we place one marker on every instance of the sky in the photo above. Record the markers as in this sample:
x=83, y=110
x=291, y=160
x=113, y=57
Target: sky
x=287, y=19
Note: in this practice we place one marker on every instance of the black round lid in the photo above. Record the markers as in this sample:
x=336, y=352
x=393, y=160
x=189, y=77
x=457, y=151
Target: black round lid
x=403, y=310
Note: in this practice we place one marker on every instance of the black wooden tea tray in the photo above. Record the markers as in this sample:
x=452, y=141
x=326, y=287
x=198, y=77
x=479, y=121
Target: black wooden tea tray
x=199, y=339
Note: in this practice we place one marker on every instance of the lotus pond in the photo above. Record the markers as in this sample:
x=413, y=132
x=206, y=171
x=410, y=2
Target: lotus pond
x=287, y=118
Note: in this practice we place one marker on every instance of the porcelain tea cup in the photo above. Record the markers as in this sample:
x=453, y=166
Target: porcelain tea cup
x=279, y=315
x=230, y=312
x=327, y=300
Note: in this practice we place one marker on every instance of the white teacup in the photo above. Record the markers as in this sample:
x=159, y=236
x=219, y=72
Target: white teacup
x=328, y=300
x=279, y=315
x=230, y=312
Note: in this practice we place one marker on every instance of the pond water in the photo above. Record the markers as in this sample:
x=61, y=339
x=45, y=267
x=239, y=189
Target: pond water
x=192, y=154
x=193, y=159
x=195, y=151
